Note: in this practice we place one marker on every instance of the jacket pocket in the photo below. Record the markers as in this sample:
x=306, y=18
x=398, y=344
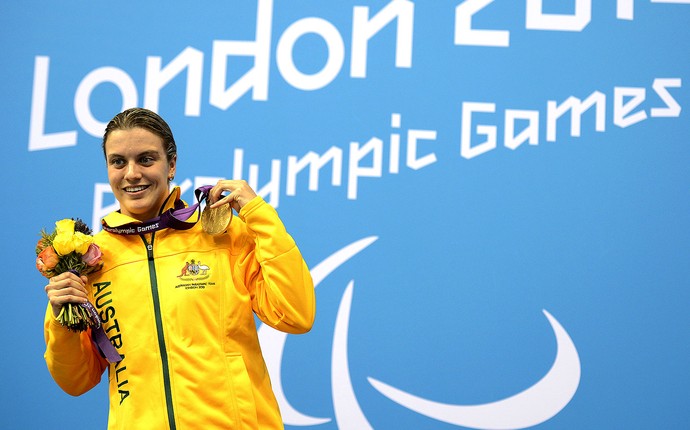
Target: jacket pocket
x=241, y=395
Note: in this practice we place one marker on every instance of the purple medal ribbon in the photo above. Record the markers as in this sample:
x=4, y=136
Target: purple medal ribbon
x=172, y=218
x=99, y=336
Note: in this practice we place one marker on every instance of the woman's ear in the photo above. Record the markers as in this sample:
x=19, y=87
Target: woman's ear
x=172, y=168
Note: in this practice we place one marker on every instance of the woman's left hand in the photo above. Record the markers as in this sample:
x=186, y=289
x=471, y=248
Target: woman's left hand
x=240, y=194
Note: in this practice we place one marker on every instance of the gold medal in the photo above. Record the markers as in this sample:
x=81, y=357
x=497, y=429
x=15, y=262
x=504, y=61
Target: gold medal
x=215, y=221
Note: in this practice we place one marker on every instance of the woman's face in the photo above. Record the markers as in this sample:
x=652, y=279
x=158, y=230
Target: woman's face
x=138, y=171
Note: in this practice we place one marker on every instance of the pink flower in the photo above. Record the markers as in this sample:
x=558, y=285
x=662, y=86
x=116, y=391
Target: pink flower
x=93, y=255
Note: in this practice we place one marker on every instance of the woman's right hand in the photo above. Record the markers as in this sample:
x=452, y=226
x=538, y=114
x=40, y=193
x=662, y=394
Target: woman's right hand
x=66, y=288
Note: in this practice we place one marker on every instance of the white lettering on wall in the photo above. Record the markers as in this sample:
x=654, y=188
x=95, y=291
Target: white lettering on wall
x=38, y=138
x=334, y=155
x=82, y=98
x=256, y=78
x=529, y=134
x=478, y=118
x=466, y=149
x=363, y=29
x=222, y=95
x=413, y=161
x=465, y=34
x=622, y=109
x=672, y=108
x=538, y=20
x=334, y=61
x=158, y=77
x=374, y=148
x=626, y=112
x=577, y=108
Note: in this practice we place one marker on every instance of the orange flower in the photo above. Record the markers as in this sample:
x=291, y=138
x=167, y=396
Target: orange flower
x=47, y=260
x=40, y=245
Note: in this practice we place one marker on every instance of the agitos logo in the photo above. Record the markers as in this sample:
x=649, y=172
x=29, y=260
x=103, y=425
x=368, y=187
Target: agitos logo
x=530, y=407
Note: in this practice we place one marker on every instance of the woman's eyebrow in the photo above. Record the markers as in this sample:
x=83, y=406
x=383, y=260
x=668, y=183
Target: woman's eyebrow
x=149, y=152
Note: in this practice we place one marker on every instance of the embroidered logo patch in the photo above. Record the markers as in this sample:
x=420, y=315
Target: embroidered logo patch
x=193, y=272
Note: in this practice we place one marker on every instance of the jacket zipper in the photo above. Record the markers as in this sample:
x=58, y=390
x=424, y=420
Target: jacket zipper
x=159, y=329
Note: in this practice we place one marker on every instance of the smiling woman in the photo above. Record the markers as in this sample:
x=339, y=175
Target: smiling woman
x=192, y=330
x=138, y=171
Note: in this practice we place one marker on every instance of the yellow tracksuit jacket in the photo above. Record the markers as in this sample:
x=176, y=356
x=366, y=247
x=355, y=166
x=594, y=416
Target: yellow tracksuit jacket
x=179, y=307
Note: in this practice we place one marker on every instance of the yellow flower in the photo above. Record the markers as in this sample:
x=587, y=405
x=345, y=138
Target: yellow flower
x=81, y=242
x=67, y=240
x=65, y=226
x=63, y=243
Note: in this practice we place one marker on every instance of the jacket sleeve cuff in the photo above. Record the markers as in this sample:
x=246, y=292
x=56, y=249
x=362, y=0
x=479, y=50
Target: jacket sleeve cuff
x=250, y=207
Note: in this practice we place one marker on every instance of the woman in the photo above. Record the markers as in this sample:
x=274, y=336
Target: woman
x=190, y=352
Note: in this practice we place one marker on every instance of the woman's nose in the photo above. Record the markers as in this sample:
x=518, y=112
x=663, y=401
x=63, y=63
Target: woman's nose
x=132, y=172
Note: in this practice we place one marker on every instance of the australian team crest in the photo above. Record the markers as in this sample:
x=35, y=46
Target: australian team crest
x=194, y=271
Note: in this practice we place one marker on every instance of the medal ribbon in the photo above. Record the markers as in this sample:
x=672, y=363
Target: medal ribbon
x=100, y=338
x=172, y=218
x=98, y=335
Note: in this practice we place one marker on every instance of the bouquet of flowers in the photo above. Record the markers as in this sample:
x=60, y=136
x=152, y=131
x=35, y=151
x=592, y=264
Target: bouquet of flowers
x=70, y=248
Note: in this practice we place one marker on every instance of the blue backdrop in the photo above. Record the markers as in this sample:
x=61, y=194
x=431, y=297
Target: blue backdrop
x=493, y=196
